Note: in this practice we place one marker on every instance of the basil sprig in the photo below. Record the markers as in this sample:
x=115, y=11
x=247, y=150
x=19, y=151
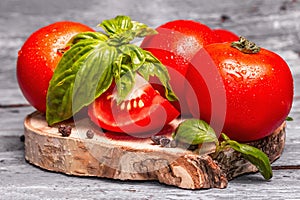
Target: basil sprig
x=95, y=60
x=252, y=154
x=194, y=131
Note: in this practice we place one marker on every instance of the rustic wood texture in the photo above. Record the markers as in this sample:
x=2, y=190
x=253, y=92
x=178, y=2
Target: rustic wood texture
x=273, y=24
x=139, y=159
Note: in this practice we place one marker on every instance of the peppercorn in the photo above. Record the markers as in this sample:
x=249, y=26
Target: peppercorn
x=164, y=142
x=90, y=134
x=65, y=130
x=156, y=139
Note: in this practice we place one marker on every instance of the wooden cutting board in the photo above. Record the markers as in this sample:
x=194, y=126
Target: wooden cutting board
x=104, y=155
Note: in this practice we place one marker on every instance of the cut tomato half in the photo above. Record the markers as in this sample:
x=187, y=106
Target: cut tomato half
x=144, y=110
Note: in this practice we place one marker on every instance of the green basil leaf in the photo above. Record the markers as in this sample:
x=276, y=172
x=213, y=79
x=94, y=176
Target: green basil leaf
x=125, y=85
x=153, y=67
x=75, y=77
x=289, y=119
x=94, y=76
x=87, y=35
x=195, y=131
x=253, y=155
x=142, y=30
x=116, y=25
x=135, y=53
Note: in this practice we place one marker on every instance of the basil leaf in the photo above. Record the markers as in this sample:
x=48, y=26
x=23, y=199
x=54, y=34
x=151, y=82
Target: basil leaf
x=135, y=53
x=125, y=85
x=94, y=76
x=116, y=25
x=87, y=35
x=153, y=67
x=195, y=131
x=75, y=77
x=142, y=30
x=253, y=155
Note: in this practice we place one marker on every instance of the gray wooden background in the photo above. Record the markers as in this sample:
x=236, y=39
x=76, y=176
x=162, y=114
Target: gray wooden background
x=273, y=24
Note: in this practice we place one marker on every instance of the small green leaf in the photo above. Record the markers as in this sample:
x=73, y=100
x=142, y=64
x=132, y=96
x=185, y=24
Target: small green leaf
x=135, y=53
x=289, y=119
x=253, y=155
x=87, y=35
x=142, y=30
x=122, y=30
x=116, y=25
x=153, y=67
x=195, y=131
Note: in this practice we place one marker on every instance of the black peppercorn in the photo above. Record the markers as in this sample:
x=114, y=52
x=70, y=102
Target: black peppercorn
x=90, y=134
x=156, y=139
x=65, y=130
x=164, y=142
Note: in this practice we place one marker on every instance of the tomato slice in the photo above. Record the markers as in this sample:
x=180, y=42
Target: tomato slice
x=144, y=110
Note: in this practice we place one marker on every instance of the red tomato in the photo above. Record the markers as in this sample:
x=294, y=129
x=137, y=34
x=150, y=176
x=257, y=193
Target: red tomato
x=247, y=96
x=39, y=56
x=175, y=45
x=225, y=35
x=143, y=111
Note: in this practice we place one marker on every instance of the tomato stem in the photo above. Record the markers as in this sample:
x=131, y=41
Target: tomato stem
x=246, y=46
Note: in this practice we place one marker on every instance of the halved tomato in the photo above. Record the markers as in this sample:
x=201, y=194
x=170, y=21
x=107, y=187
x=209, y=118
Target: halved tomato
x=144, y=110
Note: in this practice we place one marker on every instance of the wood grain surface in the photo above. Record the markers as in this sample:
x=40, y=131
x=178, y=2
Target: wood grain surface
x=273, y=24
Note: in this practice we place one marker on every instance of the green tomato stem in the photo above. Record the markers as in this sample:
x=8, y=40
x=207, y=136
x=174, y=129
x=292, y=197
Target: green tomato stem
x=246, y=46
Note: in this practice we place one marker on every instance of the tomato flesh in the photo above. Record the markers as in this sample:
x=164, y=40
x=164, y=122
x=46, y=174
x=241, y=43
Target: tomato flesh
x=143, y=111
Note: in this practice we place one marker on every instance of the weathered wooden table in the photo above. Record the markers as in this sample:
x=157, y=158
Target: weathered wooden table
x=273, y=24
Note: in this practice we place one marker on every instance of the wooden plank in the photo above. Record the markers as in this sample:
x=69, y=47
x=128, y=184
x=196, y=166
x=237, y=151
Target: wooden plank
x=273, y=24
x=43, y=184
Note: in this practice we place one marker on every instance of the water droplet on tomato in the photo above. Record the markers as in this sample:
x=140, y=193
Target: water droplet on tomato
x=244, y=72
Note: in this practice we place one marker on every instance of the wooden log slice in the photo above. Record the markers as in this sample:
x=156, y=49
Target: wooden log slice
x=97, y=154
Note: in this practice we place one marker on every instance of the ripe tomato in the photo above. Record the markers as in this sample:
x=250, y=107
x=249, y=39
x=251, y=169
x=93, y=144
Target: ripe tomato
x=250, y=94
x=39, y=56
x=175, y=45
x=144, y=110
x=225, y=35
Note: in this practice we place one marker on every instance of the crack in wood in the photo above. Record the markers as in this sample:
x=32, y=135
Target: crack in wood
x=14, y=105
x=286, y=167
